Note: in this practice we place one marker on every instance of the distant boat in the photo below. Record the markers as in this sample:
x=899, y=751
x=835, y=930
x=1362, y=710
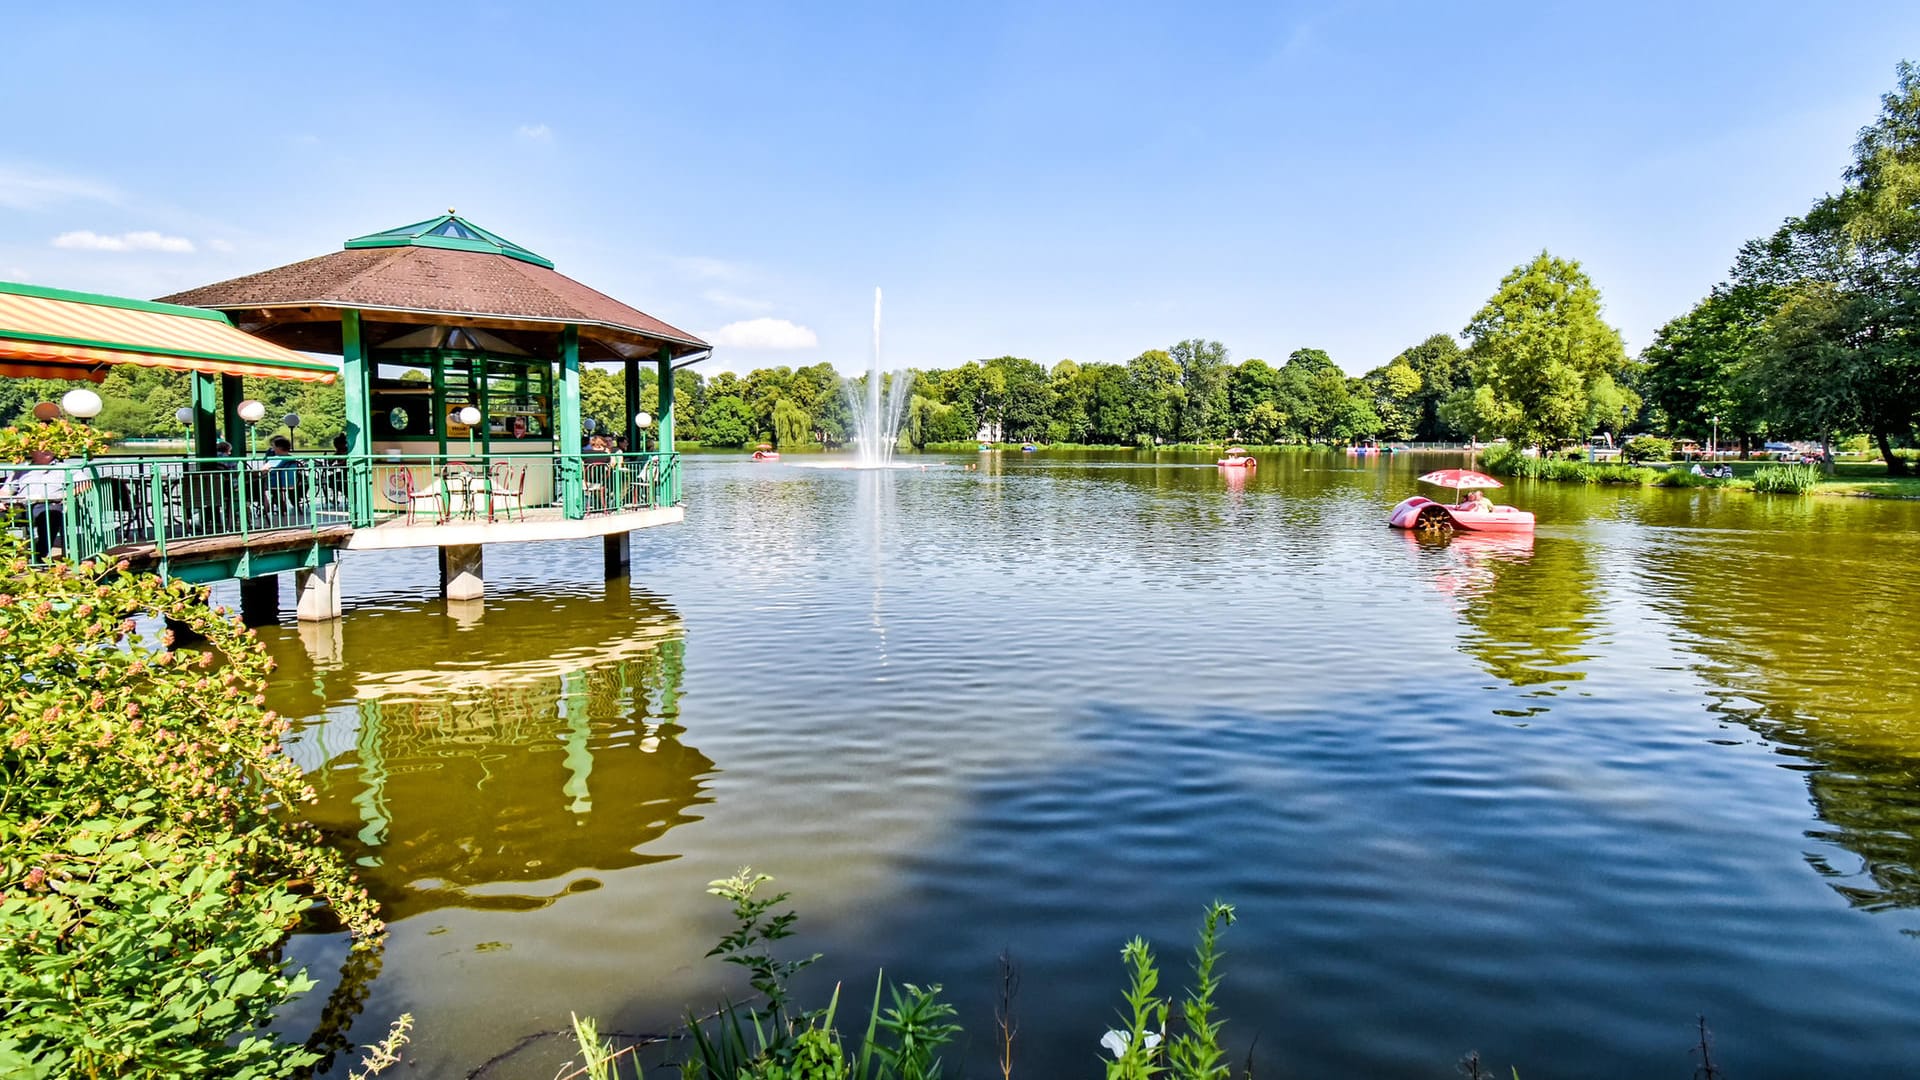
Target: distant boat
x=1237, y=458
x=1027, y=448
x=766, y=452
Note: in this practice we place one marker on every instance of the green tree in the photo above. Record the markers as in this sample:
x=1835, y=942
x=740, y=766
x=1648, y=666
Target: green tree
x=1697, y=366
x=1156, y=396
x=726, y=422
x=791, y=425
x=1394, y=391
x=1203, y=402
x=1540, y=345
x=1442, y=368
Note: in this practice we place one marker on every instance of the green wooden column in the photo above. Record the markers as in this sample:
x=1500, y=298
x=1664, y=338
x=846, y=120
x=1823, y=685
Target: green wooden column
x=670, y=497
x=233, y=390
x=356, y=377
x=572, y=468
x=205, y=395
x=632, y=366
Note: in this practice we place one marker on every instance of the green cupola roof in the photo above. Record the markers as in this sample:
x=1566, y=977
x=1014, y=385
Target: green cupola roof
x=452, y=232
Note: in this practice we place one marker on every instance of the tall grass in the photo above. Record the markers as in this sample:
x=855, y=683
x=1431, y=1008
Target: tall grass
x=1786, y=479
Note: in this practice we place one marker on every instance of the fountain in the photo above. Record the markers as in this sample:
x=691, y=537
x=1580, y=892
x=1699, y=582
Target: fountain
x=876, y=420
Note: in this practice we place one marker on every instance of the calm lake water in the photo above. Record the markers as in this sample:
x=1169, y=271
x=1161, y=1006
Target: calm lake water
x=1549, y=800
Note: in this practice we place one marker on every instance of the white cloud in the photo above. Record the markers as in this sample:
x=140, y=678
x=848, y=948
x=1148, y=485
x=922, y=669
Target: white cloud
x=707, y=268
x=33, y=189
x=722, y=298
x=146, y=240
x=764, y=334
x=535, y=132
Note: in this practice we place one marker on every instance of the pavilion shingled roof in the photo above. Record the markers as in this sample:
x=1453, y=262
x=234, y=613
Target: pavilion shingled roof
x=423, y=279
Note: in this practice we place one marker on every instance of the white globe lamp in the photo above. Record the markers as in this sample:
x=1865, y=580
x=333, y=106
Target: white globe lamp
x=81, y=404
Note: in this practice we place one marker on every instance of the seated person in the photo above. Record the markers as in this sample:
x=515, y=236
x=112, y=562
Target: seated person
x=1476, y=502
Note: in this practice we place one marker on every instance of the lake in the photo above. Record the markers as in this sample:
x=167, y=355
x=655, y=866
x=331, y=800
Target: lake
x=1547, y=800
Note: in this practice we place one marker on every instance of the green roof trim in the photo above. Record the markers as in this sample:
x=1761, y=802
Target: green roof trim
x=103, y=300
x=451, y=232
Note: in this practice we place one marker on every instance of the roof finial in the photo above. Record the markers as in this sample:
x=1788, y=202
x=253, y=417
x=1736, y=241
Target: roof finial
x=449, y=211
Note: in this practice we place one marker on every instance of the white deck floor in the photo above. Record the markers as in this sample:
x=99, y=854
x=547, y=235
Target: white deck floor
x=548, y=523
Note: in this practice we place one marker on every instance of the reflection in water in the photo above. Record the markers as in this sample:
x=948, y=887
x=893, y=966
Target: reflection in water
x=1824, y=677
x=1530, y=608
x=477, y=762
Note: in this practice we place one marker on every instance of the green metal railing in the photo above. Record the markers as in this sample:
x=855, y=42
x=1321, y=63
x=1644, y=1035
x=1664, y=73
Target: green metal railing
x=507, y=487
x=82, y=510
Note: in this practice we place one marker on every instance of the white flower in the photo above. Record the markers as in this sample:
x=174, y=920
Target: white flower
x=1116, y=1042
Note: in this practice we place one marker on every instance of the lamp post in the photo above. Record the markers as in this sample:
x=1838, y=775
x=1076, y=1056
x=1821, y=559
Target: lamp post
x=643, y=421
x=83, y=405
x=1713, y=445
x=252, y=411
x=292, y=421
x=468, y=417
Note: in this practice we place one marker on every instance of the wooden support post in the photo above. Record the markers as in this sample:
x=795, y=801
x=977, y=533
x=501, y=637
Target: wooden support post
x=232, y=391
x=260, y=600
x=618, y=548
x=461, y=574
x=357, y=388
x=572, y=468
x=318, y=592
x=632, y=372
x=206, y=413
x=671, y=496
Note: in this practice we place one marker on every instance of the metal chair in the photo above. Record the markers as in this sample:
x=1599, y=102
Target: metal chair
x=433, y=492
x=509, y=490
x=598, y=476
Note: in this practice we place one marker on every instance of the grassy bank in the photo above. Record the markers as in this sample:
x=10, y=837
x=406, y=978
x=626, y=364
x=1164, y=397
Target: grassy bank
x=1860, y=478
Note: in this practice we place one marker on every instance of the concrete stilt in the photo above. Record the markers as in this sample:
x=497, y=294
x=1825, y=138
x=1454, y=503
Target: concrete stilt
x=318, y=590
x=619, y=553
x=323, y=641
x=260, y=600
x=466, y=614
x=461, y=577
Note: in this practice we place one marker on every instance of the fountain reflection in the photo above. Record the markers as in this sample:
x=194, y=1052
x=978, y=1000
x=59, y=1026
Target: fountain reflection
x=500, y=779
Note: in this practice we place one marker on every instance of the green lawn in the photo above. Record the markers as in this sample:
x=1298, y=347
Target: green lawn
x=1849, y=478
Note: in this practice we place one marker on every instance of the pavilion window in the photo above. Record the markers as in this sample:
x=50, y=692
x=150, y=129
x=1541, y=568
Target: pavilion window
x=403, y=406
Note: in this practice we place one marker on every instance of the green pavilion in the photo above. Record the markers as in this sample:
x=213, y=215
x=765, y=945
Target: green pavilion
x=460, y=355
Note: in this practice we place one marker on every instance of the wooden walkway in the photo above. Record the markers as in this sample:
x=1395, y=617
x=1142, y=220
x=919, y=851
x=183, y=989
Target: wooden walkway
x=209, y=548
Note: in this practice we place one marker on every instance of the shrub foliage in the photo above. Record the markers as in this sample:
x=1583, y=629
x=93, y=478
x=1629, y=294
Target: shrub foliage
x=150, y=865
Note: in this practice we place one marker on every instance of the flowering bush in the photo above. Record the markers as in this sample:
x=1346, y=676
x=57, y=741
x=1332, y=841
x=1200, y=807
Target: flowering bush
x=149, y=865
x=59, y=437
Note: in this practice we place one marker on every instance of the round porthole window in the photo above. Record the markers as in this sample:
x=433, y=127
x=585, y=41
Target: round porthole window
x=397, y=419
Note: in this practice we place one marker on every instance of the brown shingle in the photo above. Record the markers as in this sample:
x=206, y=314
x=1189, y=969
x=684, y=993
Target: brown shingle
x=431, y=280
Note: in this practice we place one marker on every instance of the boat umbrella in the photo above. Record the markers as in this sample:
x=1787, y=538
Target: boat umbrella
x=764, y=446
x=1236, y=449
x=1463, y=479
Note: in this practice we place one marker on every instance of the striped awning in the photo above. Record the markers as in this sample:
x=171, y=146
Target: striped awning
x=53, y=333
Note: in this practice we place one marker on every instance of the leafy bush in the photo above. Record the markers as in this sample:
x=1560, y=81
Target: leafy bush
x=1503, y=459
x=1647, y=448
x=1786, y=479
x=147, y=866
x=59, y=438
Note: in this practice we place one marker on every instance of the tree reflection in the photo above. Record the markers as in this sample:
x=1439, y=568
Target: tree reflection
x=1530, y=607
x=489, y=762
x=1794, y=630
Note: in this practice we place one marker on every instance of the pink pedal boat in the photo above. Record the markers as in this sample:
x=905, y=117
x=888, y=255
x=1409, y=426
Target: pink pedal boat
x=1479, y=515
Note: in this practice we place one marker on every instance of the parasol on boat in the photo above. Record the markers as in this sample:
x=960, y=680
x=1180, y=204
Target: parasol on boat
x=1461, y=479
x=764, y=446
x=1236, y=450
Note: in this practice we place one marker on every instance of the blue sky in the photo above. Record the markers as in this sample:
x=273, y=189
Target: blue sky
x=1047, y=180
